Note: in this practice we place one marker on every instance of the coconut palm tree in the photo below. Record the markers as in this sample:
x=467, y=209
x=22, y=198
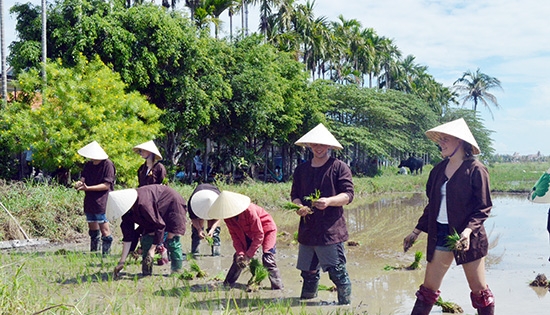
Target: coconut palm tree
x=474, y=86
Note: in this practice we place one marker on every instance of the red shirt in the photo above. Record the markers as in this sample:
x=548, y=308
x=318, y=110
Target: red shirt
x=248, y=229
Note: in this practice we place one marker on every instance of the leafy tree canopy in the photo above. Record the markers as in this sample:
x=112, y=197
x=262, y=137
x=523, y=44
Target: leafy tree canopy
x=83, y=103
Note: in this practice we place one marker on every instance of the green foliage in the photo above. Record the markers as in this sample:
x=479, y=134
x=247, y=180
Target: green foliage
x=81, y=104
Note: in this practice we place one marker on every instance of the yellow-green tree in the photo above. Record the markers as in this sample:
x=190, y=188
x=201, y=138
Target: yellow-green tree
x=81, y=104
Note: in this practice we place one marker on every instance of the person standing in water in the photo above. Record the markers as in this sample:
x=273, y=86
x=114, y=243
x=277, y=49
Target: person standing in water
x=459, y=200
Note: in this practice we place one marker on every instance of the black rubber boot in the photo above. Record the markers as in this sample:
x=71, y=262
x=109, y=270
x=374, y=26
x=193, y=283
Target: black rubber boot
x=147, y=261
x=339, y=275
x=195, y=241
x=95, y=238
x=176, y=254
x=216, y=244
x=268, y=260
x=106, y=242
x=310, y=284
x=484, y=302
x=233, y=273
x=425, y=300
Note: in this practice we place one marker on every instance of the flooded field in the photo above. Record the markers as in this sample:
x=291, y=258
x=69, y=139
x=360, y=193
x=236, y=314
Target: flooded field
x=519, y=251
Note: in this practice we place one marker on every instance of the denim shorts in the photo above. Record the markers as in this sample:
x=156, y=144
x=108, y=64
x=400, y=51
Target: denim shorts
x=99, y=218
x=442, y=234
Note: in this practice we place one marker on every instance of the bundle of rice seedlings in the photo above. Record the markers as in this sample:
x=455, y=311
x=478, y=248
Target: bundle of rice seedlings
x=196, y=268
x=209, y=239
x=186, y=275
x=291, y=206
x=454, y=243
x=259, y=273
x=314, y=196
x=449, y=307
x=416, y=263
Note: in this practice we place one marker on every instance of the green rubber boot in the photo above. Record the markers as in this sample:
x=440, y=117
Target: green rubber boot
x=176, y=253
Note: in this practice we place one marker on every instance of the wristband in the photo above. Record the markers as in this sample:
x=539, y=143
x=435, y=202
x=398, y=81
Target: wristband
x=415, y=233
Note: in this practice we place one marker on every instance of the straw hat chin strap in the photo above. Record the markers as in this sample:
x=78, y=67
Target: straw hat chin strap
x=456, y=149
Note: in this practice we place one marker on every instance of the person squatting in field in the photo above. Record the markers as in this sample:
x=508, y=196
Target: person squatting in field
x=97, y=180
x=156, y=209
x=197, y=224
x=250, y=227
x=459, y=200
x=321, y=187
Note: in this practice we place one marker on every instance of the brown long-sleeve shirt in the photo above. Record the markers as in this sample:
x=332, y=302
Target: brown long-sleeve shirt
x=158, y=208
x=328, y=226
x=468, y=205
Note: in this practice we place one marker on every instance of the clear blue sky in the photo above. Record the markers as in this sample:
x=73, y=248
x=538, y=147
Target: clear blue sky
x=506, y=39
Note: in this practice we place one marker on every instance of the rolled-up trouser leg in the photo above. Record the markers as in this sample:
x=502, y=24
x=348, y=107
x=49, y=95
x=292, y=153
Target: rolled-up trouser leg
x=195, y=240
x=106, y=242
x=425, y=300
x=95, y=238
x=147, y=261
x=484, y=302
x=268, y=260
x=310, y=284
x=233, y=273
x=339, y=275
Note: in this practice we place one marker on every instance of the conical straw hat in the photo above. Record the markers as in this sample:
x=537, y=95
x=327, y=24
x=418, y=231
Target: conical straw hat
x=119, y=202
x=227, y=205
x=319, y=135
x=151, y=147
x=201, y=201
x=93, y=151
x=456, y=128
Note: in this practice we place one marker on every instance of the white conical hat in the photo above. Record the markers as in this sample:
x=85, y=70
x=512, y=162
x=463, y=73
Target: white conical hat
x=540, y=192
x=151, y=147
x=201, y=201
x=319, y=135
x=119, y=202
x=227, y=205
x=456, y=128
x=93, y=151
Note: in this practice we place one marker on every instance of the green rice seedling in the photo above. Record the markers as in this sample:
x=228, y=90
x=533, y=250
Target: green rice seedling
x=323, y=287
x=209, y=240
x=449, y=307
x=388, y=268
x=196, y=268
x=313, y=197
x=291, y=206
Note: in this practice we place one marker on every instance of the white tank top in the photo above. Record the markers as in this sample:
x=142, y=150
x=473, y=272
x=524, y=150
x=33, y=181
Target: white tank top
x=442, y=216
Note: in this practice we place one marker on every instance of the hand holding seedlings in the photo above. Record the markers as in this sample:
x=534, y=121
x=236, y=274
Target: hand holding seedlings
x=409, y=241
x=303, y=211
x=242, y=261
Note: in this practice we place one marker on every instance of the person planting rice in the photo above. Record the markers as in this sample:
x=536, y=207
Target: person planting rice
x=321, y=187
x=250, y=227
x=155, y=209
x=96, y=180
x=459, y=202
x=213, y=229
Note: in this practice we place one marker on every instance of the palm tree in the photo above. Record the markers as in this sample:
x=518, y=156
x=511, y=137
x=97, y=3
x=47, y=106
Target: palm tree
x=475, y=86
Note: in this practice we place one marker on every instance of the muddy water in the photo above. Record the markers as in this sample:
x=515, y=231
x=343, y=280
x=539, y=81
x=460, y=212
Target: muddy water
x=519, y=252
